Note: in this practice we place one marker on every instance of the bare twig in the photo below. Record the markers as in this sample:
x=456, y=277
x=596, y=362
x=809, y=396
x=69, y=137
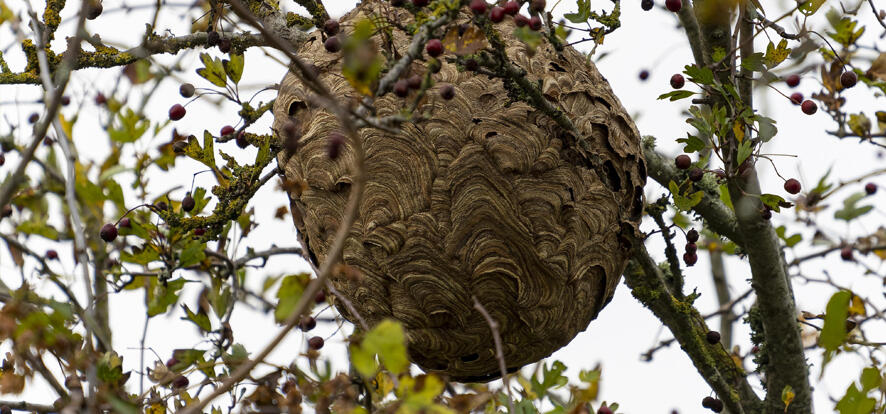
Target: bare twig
x=499, y=352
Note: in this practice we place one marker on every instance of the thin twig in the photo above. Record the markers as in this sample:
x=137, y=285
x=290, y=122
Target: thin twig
x=499, y=352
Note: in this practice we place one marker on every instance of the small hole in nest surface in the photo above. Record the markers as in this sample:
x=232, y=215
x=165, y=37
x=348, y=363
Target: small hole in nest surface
x=295, y=107
x=491, y=134
x=470, y=357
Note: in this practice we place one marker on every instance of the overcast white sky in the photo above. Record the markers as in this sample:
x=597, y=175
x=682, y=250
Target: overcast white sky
x=623, y=331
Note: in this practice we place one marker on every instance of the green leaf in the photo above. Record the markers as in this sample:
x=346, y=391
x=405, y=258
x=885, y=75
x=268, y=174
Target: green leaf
x=753, y=62
x=765, y=128
x=131, y=127
x=163, y=296
x=684, y=203
x=692, y=143
x=859, y=124
x=110, y=368
x=200, y=319
x=850, y=208
x=776, y=54
x=855, y=402
x=288, y=294
x=719, y=54
x=40, y=228
x=388, y=341
x=234, y=67
x=583, y=13
x=772, y=201
x=844, y=31
x=186, y=358
x=213, y=70
x=700, y=75
x=745, y=149
x=676, y=95
x=833, y=333
x=810, y=7
x=870, y=378
x=192, y=254
x=141, y=256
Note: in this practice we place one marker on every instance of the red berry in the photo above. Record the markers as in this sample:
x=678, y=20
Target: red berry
x=870, y=188
x=521, y=20
x=809, y=107
x=199, y=231
x=674, y=5
x=646, y=5
x=604, y=410
x=315, y=343
x=447, y=92
x=401, y=88
x=320, y=297
x=100, y=99
x=331, y=27
x=644, y=74
x=307, y=323
x=691, y=247
x=848, y=79
x=177, y=112
x=186, y=90
x=535, y=23
x=692, y=236
x=125, y=223
x=188, y=203
x=171, y=362
x=94, y=9
x=33, y=118
x=478, y=6
x=65, y=100
x=497, y=14
x=792, y=80
x=332, y=44
x=682, y=161
x=792, y=186
x=2, y=160
x=212, y=38
x=690, y=258
x=335, y=142
x=434, y=47
x=677, y=81
x=108, y=232
x=797, y=98
x=224, y=45
x=512, y=8
x=226, y=130
x=846, y=253
x=414, y=82
x=51, y=254
x=180, y=381
x=241, y=140
x=713, y=337
x=537, y=6
x=696, y=174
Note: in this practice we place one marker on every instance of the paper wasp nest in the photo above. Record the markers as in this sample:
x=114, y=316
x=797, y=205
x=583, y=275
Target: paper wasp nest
x=488, y=198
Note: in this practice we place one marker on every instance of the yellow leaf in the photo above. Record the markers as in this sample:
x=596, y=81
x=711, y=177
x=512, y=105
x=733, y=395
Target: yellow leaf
x=67, y=126
x=384, y=383
x=464, y=42
x=856, y=306
x=787, y=396
x=156, y=408
x=738, y=129
x=527, y=387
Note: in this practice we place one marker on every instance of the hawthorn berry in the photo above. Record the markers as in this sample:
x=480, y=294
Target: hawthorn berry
x=478, y=7
x=497, y=14
x=696, y=174
x=420, y=3
x=792, y=80
x=447, y=92
x=334, y=144
x=809, y=107
x=535, y=23
x=792, y=186
x=691, y=247
x=307, y=323
x=48, y=141
x=682, y=161
x=521, y=20
x=797, y=98
x=212, y=38
x=186, y=90
x=677, y=81
x=674, y=5
x=108, y=232
x=100, y=99
x=713, y=404
x=692, y=236
x=177, y=112
x=434, y=47
x=51, y=254
x=320, y=297
x=848, y=79
x=644, y=74
x=537, y=6
x=604, y=410
x=690, y=258
x=65, y=100
x=331, y=27
x=512, y=8
x=2, y=160
x=199, y=231
x=180, y=381
x=33, y=118
x=224, y=45
x=188, y=203
x=226, y=130
x=241, y=140
x=125, y=223
x=414, y=82
x=401, y=88
x=315, y=343
x=332, y=44
x=870, y=188
x=6, y=211
x=94, y=9
x=646, y=5
x=846, y=253
x=171, y=362
x=713, y=337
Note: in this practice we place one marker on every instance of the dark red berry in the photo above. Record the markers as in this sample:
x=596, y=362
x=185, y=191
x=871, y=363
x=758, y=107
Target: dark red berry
x=797, y=98
x=65, y=100
x=644, y=74
x=420, y=3
x=846, y=253
x=320, y=297
x=604, y=410
x=682, y=161
x=537, y=6
x=177, y=112
x=315, y=343
x=186, y=90
x=94, y=9
x=691, y=247
x=226, y=130
x=848, y=79
x=713, y=337
x=224, y=45
x=692, y=236
x=478, y=7
x=51, y=254
x=497, y=14
x=331, y=27
x=241, y=140
x=713, y=404
x=125, y=223
x=792, y=80
x=690, y=258
x=674, y=5
x=677, y=81
x=792, y=186
x=434, y=47
x=414, y=82
x=335, y=142
x=108, y=232
x=171, y=362
x=401, y=88
x=707, y=401
x=33, y=118
x=212, y=38
x=447, y=92
x=199, y=231
x=870, y=188
x=696, y=174
x=188, y=203
x=809, y=107
x=332, y=44
x=646, y=4
x=6, y=211
x=48, y=141
x=100, y=99
x=180, y=381
x=2, y=160
x=535, y=23
x=521, y=20
x=307, y=323
x=512, y=8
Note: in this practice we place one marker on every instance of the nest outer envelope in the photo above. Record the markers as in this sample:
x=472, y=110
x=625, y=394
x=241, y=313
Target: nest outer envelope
x=489, y=198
